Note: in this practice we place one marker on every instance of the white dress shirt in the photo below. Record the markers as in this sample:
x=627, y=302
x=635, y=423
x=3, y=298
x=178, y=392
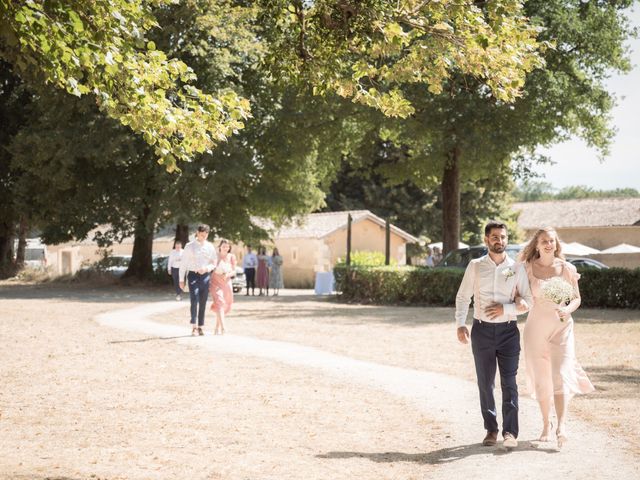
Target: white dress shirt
x=175, y=259
x=198, y=256
x=489, y=283
x=250, y=260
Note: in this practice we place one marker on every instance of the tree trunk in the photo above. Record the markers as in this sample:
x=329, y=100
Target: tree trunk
x=22, y=243
x=451, y=202
x=7, y=267
x=7, y=236
x=141, y=265
x=182, y=233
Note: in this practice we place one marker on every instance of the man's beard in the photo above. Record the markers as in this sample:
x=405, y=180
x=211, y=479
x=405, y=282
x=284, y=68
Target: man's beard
x=495, y=248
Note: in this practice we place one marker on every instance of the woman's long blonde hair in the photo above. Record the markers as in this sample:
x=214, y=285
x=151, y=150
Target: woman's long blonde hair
x=530, y=251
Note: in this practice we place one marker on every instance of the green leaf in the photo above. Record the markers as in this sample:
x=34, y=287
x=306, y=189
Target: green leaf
x=76, y=22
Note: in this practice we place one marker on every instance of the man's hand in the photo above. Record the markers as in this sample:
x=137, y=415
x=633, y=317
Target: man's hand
x=494, y=310
x=181, y=285
x=463, y=334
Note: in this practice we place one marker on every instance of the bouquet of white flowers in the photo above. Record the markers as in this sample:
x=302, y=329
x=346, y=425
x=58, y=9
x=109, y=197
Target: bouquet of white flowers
x=558, y=290
x=223, y=268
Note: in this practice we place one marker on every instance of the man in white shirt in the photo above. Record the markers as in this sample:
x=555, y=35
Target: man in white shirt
x=249, y=264
x=493, y=281
x=173, y=267
x=198, y=261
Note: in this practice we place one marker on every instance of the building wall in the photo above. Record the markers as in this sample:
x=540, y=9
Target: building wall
x=89, y=252
x=365, y=236
x=302, y=258
x=599, y=237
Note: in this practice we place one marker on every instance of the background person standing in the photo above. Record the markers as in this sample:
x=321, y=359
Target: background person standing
x=264, y=263
x=275, y=279
x=249, y=264
x=198, y=261
x=173, y=267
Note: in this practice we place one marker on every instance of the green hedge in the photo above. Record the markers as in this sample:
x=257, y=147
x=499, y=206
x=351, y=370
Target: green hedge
x=392, y=285
x=609, y=288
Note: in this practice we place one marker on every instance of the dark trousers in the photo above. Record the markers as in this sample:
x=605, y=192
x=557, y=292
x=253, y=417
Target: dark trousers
x=198, y=294
x=250, y=277
x=175, y=274
x=497, y=344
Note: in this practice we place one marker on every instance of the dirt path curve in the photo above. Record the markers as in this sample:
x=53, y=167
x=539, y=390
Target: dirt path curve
x=450, y=401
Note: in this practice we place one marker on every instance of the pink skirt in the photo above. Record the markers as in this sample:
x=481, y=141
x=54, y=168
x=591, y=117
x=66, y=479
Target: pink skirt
x=221, y=293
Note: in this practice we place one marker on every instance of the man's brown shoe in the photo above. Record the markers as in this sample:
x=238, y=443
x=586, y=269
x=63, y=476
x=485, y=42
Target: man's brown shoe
x=491, y=439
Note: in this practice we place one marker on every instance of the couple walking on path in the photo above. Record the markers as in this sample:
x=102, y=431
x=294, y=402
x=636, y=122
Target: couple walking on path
x=208, y=271
x=546, y=286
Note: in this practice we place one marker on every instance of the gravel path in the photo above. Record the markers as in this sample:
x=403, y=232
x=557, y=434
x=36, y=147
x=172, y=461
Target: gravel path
x=449, y=401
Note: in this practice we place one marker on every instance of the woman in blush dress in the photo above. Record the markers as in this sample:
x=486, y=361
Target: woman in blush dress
x=275, y=279
x=221, y=289
x=552, y=371
x=262, y=273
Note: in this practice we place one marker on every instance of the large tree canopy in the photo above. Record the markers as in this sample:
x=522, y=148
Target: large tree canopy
x=363, y=50
x=464, y=138
x=79, y=169
x=370, y=50
x=101, y=47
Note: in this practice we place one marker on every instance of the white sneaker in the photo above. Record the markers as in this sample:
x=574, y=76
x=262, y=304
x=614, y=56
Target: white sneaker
x=509, y=441
x=178, y=298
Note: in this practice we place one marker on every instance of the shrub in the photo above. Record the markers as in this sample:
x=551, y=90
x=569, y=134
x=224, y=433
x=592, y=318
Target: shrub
x=383, y=285
x=607, y=288
x=610, y=288
x=369, y=259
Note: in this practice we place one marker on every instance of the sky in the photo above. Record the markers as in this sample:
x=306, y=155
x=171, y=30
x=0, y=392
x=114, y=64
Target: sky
x=577, y=164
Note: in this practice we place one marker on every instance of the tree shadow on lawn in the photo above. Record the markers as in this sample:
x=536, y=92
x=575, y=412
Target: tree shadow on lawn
x=439, y=457
x=321, y=309
x=613, y=381
x=47, y=477
x=606, y=315
x=85, y=293
x=304, y=304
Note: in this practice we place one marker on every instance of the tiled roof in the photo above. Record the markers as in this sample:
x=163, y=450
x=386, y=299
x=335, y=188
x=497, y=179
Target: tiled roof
x=319, y=225
x=588, y=212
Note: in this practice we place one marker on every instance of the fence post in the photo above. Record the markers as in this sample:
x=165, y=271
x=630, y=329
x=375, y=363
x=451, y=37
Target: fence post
x=348, y=239
x=387, y=242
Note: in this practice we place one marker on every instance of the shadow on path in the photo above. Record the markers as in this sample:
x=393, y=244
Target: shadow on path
x=149, y=339
x=439, y=457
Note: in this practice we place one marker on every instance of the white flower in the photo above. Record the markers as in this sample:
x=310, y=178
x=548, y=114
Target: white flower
x=558, y=290
x=223, y=268
x=508, y=273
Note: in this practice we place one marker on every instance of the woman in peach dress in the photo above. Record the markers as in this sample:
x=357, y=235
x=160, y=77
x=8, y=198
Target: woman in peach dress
x=552, y=371
x=221, y=289
x=262, y=272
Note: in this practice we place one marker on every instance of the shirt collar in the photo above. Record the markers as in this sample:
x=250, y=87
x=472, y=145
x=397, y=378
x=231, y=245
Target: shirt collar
x=507, y=262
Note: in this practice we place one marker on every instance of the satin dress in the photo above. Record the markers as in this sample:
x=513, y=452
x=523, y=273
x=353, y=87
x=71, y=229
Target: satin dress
x=549, y=344
x=220, y=287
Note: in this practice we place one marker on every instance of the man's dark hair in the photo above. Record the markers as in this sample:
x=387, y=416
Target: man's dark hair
x=203, y=228
x=493, y=224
